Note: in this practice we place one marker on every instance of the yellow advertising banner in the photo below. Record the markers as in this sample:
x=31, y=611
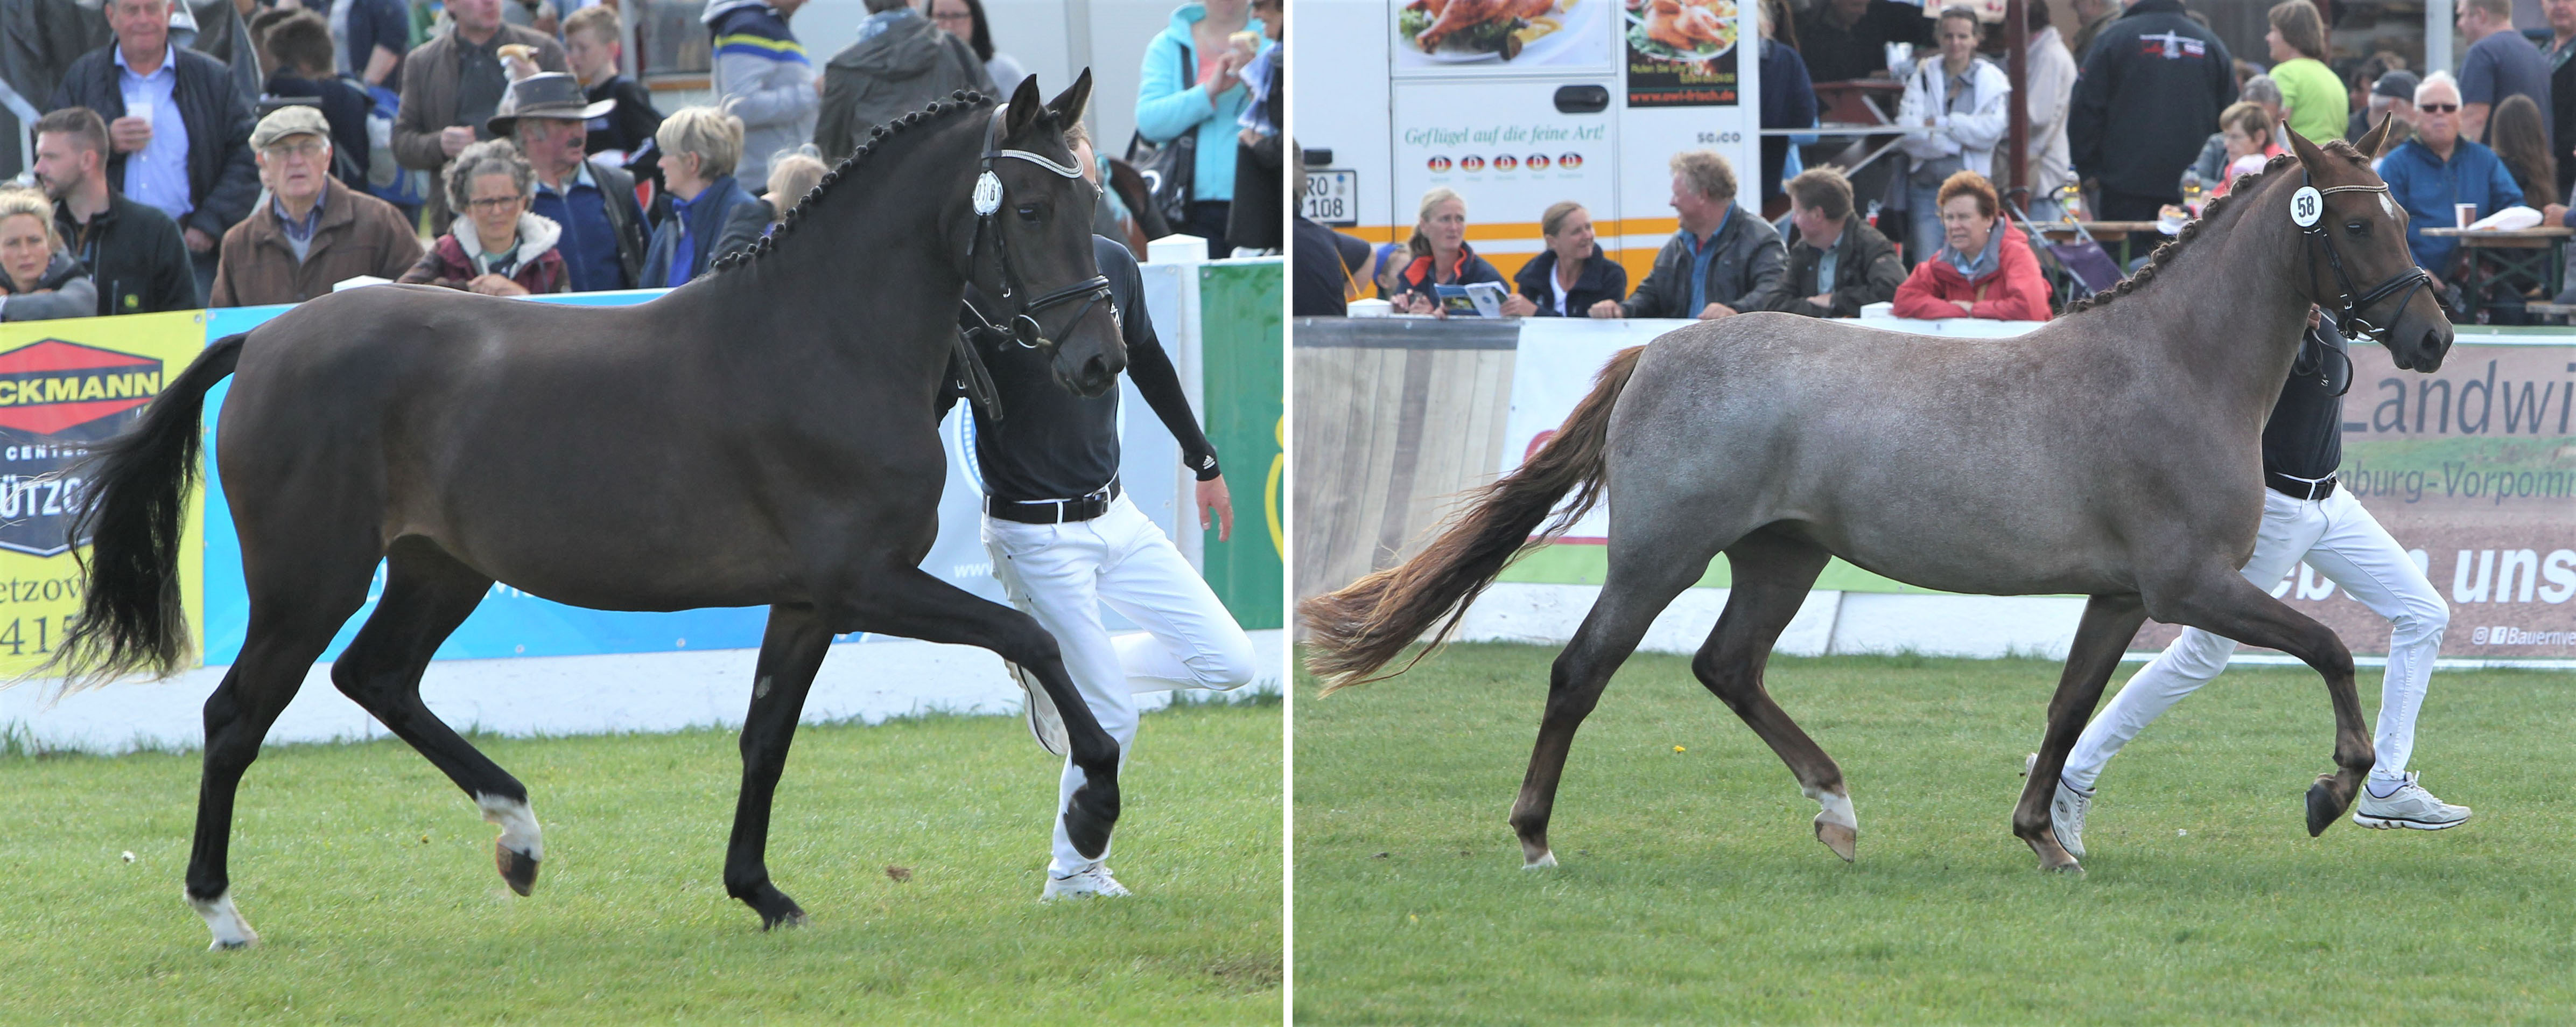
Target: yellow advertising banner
x=66, y=387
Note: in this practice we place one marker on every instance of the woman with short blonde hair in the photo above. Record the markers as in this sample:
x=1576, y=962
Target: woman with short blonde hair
x=1440, y=255
x=38, y=281
x=700, y=148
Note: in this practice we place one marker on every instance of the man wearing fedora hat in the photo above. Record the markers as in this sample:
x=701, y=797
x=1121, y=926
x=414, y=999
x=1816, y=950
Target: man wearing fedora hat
x=603, y=227
x=314, y=232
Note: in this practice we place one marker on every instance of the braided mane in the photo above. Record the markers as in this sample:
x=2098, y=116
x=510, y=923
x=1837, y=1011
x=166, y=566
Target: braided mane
x=961, y=100
x=2166, y=253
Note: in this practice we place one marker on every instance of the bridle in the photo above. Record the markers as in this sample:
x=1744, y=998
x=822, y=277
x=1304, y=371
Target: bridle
x=1022, y=325
x=2348, y=315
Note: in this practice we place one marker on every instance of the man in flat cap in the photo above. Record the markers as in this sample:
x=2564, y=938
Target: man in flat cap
x=604, y=237
x=315, y=232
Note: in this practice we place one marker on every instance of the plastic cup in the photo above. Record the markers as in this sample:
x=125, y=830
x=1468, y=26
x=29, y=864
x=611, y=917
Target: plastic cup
x=2464, y=213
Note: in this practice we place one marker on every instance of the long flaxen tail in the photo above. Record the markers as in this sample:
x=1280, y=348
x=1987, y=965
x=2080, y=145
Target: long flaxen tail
x=130, y=619
x=1362, y=627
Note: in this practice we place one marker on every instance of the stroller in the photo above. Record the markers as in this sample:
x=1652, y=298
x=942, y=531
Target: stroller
x=2077, y=268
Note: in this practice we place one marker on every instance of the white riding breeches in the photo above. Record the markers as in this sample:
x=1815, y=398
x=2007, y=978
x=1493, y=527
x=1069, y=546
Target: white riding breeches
x=2340, y=540
x=1062, y=574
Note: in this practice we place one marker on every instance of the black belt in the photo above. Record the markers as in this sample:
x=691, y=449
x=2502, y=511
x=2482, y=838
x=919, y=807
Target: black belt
x=1052, y=511
x=2296, y=488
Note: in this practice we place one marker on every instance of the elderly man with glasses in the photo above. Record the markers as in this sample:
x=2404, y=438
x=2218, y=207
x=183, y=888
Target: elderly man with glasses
x=2439, y=168
x=315, y=233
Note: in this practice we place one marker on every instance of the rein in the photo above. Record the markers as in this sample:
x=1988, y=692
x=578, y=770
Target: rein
x=1022, y=326
x=2307, y=209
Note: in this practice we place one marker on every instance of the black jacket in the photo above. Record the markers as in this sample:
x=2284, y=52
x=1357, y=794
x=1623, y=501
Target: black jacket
x=1601, y=279
x=1319, y=274
x=1866, y=271
x=134, y=254
x=628, y=129
x=2140, y=112
x=222, y=180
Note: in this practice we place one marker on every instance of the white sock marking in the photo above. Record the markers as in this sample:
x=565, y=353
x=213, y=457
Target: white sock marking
x=1837, y=809
x=1545, y=860
x=230, y=930
x=518, y=826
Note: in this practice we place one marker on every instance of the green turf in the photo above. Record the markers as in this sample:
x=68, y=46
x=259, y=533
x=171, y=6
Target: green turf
x=1692, y=890
x=370, y=879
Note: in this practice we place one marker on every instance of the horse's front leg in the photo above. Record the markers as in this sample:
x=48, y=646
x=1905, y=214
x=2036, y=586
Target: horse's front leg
x=910, y=602
x=790, y=653
x=2227, y=605
x=2110, y=621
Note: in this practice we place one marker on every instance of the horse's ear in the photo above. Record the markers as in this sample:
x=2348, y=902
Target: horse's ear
x=1024, y=108
x=1068, y=105
x=2375, y=140
x=2310, y=156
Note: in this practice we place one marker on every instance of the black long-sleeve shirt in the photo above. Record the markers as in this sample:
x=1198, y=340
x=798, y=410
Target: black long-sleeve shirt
x=2304, y=436
x=1052, y=444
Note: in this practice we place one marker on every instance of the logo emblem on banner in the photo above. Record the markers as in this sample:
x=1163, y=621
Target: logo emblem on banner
x=57, y=400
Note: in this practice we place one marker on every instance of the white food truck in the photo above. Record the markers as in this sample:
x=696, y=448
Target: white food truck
x=1516, y=105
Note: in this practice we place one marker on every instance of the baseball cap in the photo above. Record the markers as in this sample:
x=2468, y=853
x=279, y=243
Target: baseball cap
x=2397, y=85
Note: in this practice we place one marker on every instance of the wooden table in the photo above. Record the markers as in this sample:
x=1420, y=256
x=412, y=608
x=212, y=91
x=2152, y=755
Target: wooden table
x=2522, y=259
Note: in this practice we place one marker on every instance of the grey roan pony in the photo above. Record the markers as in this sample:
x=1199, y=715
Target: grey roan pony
x=2114, y=453
x=764, y=436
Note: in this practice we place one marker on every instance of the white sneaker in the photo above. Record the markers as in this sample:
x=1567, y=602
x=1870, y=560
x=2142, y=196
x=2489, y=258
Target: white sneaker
x=1045, y=724
x=2410, y=807
x=1089, y=882
x=2066, y=811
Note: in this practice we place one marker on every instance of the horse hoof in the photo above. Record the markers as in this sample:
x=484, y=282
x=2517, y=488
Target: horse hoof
x=1544, y=861
x=1843, y=839
x=2324, y=807
x=1089, y=817
x=784, y=913
x=517, y=868
x=2070, y=868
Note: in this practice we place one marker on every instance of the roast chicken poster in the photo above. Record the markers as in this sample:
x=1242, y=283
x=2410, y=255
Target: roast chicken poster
x=1484, y=37
x=1681, y=53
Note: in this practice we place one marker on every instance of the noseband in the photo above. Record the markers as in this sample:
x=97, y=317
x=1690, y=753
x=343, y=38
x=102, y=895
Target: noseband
x=2350, y=303
x=1022, y=325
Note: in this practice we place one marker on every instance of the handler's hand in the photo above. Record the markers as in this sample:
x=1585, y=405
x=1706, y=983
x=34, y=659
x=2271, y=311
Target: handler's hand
x=1213, y=499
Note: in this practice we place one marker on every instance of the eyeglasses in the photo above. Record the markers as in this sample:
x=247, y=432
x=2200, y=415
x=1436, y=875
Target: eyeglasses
x=959, y=19
x=493, y=202
x=2438, y=108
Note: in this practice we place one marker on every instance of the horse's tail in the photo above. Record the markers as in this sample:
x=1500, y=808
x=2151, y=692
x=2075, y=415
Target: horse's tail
x=1359, y=629
x=131, y=510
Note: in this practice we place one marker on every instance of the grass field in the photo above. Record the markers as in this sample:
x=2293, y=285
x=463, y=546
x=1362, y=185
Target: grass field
x=370, y=880
x=1692, y=890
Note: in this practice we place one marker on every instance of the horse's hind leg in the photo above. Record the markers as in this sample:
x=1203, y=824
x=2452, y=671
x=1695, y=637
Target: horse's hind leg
x=1643, y=579
x=790, y=653
x=427, y=594
x=2220, y=601
x=2110, y=621
x=1772, y=575
x=289, y=627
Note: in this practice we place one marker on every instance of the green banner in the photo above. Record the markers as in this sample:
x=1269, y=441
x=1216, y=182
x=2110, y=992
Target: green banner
x=1244, y=357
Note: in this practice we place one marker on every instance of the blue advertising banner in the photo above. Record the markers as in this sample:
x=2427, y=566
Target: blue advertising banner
x=513, y=623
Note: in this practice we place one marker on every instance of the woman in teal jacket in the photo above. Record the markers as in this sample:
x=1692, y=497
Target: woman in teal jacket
x=1189, y=86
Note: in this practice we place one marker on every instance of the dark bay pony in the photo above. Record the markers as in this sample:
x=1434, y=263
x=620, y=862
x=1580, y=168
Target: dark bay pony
x=766, y=435
x=2114, y=452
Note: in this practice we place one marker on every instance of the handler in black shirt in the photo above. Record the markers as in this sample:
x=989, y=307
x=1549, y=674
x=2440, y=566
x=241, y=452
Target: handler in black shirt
x=1066, y=542
x=2306, y=517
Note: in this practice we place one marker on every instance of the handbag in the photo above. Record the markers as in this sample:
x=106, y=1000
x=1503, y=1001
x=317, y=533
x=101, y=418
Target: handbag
x=1168, y=167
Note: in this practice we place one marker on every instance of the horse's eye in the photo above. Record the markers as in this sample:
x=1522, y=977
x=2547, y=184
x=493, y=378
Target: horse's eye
x=2356, y=228
x=1029, y=212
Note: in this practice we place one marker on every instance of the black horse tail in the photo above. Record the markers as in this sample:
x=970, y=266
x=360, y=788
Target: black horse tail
x=1359, y=629
x=131, y=510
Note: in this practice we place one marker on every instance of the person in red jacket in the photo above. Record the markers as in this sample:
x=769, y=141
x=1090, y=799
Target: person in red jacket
x=1986, y=268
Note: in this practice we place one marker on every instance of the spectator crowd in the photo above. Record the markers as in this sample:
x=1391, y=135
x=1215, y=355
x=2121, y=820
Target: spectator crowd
x=2139, y=116
x=496, y=146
